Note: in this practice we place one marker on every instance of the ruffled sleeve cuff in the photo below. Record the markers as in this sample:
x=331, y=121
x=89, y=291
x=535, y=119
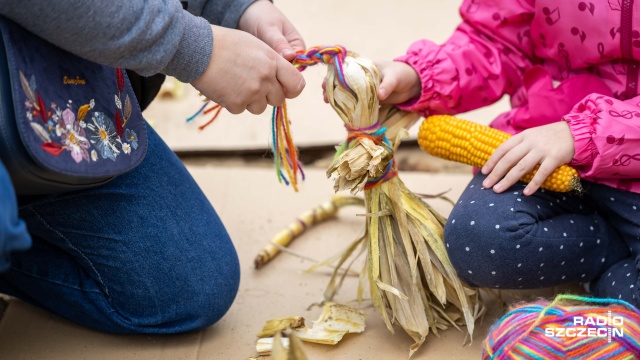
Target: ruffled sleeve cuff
x=582, y=129
x=437, y=76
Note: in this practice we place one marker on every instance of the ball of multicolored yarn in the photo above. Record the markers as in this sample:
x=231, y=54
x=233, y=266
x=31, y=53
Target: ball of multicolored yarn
x=569, y=327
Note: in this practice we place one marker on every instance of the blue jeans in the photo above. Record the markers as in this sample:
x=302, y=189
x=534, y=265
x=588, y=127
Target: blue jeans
x=145, y=253
x=512, y=241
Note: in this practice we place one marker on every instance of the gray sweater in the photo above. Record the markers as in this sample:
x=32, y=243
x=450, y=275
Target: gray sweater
x=147, y=36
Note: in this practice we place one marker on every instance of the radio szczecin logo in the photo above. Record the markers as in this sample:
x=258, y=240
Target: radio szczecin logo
x=590, y=327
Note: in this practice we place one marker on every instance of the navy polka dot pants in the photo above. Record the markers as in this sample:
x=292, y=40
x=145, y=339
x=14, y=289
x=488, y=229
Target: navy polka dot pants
x=512, y=241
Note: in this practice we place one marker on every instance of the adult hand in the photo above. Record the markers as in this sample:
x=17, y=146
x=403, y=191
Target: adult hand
x=245, y=73
x=549, y=146
x=264, y=21
x=399, y=83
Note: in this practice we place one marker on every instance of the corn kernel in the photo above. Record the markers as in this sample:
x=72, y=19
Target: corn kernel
x=471, y=143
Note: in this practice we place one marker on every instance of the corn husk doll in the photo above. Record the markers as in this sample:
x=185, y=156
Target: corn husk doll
x=411, y=280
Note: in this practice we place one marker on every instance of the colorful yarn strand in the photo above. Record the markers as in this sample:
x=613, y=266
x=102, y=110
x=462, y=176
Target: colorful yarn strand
x=285, y=153
x=569, y=327
x=328, y=55
x=286, y=161
x=203, y=110
x=376, y=134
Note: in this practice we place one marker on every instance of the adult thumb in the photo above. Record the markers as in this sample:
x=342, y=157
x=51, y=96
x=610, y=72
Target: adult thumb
x=290, y=78
x=276, y=40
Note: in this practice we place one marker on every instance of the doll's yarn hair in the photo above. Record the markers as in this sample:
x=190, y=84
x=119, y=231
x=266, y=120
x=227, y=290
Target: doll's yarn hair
x=569, y=327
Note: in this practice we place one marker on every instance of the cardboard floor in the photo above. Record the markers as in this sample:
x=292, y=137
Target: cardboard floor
x=377, y=29
x=282, y=288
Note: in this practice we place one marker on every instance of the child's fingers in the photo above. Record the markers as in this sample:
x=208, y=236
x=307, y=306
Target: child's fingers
x=324, y=90
x=546, y=168
x=496, y=159
x=505, y=164
x=498, y=153
x=387, y=86
x=523, y=166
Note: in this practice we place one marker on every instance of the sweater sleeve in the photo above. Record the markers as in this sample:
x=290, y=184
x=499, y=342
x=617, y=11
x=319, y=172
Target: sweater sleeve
x=225, y=13
x=145, y=36
x=606, y=132
x=483, y=60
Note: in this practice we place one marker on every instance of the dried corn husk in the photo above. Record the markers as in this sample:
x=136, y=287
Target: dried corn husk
x=291, y=352
x=335, y=321
x=275, y=326
x=265, y=346
x=325, y=211
x=412, y=281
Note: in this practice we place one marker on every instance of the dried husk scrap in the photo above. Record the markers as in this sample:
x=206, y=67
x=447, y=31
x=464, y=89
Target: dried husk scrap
x=281, y=348
x=335, y=321
x=327, y=210
x=291, y=352
x=412, y=281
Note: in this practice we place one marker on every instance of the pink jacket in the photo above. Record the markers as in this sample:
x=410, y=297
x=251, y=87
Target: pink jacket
x=590, y=48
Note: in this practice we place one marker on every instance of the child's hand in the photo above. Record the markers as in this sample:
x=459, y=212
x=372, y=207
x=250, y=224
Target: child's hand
x=264, y=21
x=549, y=145
x=400, y=82
x=245, y=73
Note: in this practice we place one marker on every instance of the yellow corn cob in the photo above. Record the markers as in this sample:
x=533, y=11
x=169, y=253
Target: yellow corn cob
x=317, y=215
x=451, y=138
